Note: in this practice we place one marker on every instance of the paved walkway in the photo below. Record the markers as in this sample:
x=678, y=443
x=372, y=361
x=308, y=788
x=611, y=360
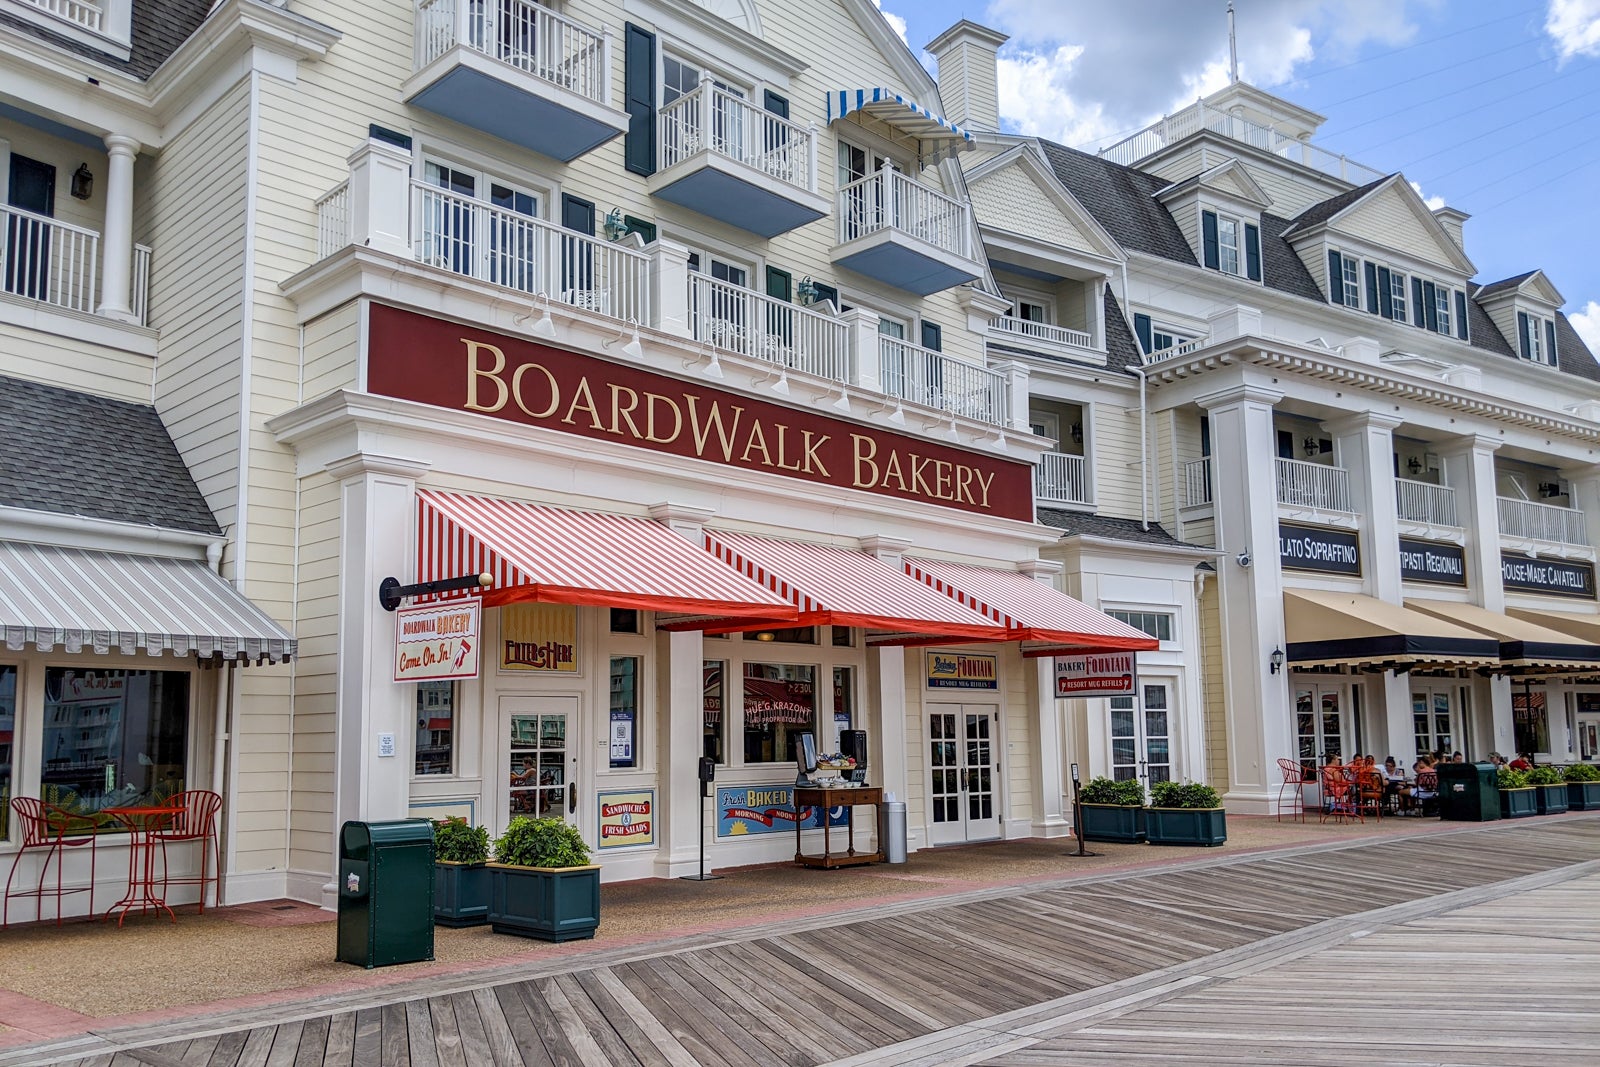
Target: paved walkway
x=1356, y=949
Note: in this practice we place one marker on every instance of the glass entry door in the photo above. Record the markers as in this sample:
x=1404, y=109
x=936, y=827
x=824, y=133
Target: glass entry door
x=541, y=756
x=1433, y=720
x=1141, y=737
x=964, y=773
x=1321, y=726
x=1588, y=727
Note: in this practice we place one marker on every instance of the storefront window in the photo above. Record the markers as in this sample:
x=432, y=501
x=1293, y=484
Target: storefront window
x=715, y=716
x=624, y=712
x=844, y=703
x=113, y=738
x=1532, y=725
x=795, y=635
x=780, y=704
x=436, y=721
x=625, y=620
x=8, y=726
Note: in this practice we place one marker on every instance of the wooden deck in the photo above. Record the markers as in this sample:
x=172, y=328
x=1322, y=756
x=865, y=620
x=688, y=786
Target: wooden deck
x=1487, y=939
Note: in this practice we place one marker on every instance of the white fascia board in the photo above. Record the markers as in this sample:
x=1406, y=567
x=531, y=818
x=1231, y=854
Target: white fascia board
x=105, y=535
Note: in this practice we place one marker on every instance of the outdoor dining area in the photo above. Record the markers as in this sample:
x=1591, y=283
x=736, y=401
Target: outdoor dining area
x=54, y=835
x=1437, y=786
x=1358, y=789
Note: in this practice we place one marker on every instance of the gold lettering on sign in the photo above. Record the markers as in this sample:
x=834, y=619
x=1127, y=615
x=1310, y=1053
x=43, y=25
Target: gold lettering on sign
x=813, y=461
x=713, y=422
x=865, y=448
x=653, y=404
x=583, y=400
x=550, y=379
x=757, y=441
x=475, y=374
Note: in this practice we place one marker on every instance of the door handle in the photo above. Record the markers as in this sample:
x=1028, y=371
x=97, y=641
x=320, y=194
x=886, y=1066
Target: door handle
x=572, y=797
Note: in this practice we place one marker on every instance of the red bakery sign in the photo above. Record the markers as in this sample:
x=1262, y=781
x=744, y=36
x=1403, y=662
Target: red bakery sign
x=431, y=361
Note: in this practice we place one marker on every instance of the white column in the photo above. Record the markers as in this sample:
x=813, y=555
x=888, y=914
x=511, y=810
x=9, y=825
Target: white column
x=116, y=242
x=894, y=771
x=1045, y=734
x=669, y=287
x=1469, y=470
x=1016, y=389
x=863, y=345
x=1245, y=494
x=380, y=197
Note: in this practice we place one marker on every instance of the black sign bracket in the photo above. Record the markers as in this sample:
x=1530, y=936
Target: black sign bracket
x=391, y=592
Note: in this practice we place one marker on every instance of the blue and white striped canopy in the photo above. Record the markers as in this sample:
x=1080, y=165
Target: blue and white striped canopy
x=936, y=135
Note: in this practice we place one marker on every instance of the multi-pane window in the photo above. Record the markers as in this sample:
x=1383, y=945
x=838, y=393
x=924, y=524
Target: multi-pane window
x=1397, y=296
x=8, y=724
x=1441, y=304
x=1228, y=244
x=436, y=718
x=1155, y=623
x=1537, y=338
x=1350, y=272
x=1163, y=338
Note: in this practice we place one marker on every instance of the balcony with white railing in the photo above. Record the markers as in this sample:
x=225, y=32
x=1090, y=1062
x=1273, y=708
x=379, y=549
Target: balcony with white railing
x=1199, y=117
x=1062, y=478
x=1197, y=483
x=506, y=248
x=1528, y=520
x=84, y=13
x=1009, y=329
x=1314, y=486
x=517, y=70
x=734, y=319
x=899, y=231
x=935, y=380
x=58, y=264
x=721, y=155
x=1424, y=503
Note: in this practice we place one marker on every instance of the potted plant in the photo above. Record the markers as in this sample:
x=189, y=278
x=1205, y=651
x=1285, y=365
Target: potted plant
x=1583, y=787
x=1112, y=811
x=460, y=877
x=1549, y=789
x=1517, y=798
x=541, y=883
x=1185, y=813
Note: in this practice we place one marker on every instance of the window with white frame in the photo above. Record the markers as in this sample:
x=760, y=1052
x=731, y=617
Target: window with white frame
x=476, y=224
x=1157, y=624
x=1397, y=296
x=1350, y=281
x=1165, y=337
x=718, y=304
x=1228, y=244
x=1536, y=338
x=1441, y=304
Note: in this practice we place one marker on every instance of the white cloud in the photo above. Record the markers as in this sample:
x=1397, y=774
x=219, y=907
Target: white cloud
x=1587, y=323
x=1035, y=98
x=1574, y=26
x=896, y=23
x=1434, y=202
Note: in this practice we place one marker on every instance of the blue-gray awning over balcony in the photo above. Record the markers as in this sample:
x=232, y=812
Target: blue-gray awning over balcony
x=903, y=120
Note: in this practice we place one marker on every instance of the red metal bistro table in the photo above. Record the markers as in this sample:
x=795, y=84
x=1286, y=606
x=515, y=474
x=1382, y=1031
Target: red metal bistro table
x=141, y=823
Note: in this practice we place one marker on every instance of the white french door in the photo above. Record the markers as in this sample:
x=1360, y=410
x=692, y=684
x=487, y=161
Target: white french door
x=1433, y=720
x=963, y=773
x=1141, y=736
x=540, y=757
x=1321, y=725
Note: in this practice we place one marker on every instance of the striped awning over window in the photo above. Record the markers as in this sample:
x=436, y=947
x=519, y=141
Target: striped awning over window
x=80, y=599
x=1030, y=610
x=903, y=119
x=565, y=556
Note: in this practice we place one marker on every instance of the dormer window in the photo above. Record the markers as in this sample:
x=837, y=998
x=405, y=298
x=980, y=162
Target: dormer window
x=1441, y=316
x=1537, y=335
x=1230, y=245
x=1350, y=282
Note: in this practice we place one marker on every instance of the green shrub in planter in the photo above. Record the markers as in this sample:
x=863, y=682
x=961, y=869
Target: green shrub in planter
x=1583, y=787
x=1112, y=811
x=1549, y=789
x=541, y=883
x=1185, y=813
x=460, y=879
x=1518, y=799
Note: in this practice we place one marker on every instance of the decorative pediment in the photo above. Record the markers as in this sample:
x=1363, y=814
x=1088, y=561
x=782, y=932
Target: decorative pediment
x=1230, y=180
x=1533, y=287
x=1391, y=215
x=1017, y=192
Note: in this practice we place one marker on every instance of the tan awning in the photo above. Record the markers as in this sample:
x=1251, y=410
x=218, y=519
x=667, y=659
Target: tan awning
x=1525, y=647
x=1328, y=629
x=1585, y=628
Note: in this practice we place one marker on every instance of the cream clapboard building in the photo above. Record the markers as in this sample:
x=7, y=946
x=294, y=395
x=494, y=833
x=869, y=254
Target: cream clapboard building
x=669, y=314
x=1246, y=343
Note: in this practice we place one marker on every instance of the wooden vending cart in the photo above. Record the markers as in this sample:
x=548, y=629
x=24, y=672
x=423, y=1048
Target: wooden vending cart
x=824, y=798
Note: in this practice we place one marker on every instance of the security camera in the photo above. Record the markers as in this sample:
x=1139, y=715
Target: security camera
x=1243, y=558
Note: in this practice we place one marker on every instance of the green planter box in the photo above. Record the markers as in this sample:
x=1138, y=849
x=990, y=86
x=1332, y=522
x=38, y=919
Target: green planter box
x=1583, y=796
x=1552, y=799
x=1113, y=822
x=460, y=894
x=1518, y=803
x=1186, y=826
x=549, y=903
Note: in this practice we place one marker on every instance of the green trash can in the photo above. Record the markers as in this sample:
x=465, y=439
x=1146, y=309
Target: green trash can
x=386, y=892
x=1468, y=792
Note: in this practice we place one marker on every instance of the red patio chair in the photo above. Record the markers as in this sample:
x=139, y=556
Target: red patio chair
x=45, y=829
x=1291, y=793
x=1426, y=793
x=197, y=822
x=1369, y=793
x=1338, y=794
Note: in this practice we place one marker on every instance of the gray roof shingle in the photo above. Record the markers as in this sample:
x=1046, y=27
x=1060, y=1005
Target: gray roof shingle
x=159, y=27
x=1324, y=210
x=72, y=453
x=1505, y=283
x=1077, y=522
x=1572, y=354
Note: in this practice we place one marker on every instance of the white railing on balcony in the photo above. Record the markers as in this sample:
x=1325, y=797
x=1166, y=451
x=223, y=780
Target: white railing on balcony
x=1313, y=485
x=935, y=380
x=140, y=297
x=523, y=34
x=1198, y=116
x=78, y=12
x=1173, y=351
x=529, y=255
x=735, y=319
x=1424, y=502
x=50, y=261
x=333, y=220
x=1197, y=482
x=889, y=199
x=1040, y=331
x=1062, y=478
x=711, y=118
x=1529, y=520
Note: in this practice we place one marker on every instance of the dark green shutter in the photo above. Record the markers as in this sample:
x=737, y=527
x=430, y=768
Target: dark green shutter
x=827, y=292
x=779, y=284
x=1461, y=315
x=644, y=229
x=774, y=103
x=1252, y=252
x=1141, y=326
x=1550, y=340
x=932, y=337
x=1430, y=306
x=1418, y=316
x=639, y=99
x=1526, y=351
x=1385, y=293
x=1208, y=234
x=1335, y=277
x=1372, y=287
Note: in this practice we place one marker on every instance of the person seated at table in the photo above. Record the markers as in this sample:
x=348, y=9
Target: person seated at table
x=1392, y=771
x=1496, y=759
x=1523, y=762
x=1458, y=758
x=1425, y=788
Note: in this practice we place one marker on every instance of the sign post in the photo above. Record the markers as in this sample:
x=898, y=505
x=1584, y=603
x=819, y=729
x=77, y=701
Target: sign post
x=708, y=774
x=1077, y=814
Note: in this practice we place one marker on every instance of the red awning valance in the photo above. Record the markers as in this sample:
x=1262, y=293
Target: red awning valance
x=563, y=556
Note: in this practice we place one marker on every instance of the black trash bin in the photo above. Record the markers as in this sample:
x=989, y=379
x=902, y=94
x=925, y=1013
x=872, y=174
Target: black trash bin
x=1468, y=792
x=386, y=892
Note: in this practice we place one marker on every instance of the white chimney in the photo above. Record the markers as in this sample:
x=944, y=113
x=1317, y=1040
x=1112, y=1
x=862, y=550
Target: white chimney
x=1452, y=220
x=969, y=86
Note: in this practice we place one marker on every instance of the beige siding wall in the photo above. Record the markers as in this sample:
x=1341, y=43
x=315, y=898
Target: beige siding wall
x=74, y=364
x=64, y=156
x=1388, y=221
x=1314, y=254
x=970, y=93
x=1187, y=216
x=1216, y=706
x=1116, y=460
x=1289, y=197
x=332, y=353
x=316, y=676
x=1009, y=199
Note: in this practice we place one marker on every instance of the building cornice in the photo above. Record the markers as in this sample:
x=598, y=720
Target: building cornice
x=106, y=535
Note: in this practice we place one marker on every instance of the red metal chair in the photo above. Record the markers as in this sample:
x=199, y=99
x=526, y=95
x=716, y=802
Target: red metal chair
x=1426, y=793
x=1291, y=793
x=197, y=822
x=1339, y=794
x=1369, y=793
x=45, y=829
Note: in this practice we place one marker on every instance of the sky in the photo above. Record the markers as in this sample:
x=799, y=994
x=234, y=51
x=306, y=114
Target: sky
x=1490, y=106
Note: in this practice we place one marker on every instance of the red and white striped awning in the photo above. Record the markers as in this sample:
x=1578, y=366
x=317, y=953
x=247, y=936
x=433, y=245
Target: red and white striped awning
x=563, y=556
x=841, y=587
x=1029, y=609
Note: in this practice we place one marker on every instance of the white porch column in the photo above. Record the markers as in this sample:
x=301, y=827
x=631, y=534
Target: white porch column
x=380, y=197
x=681, y=725
x=894, y=772
x=1584, y=492
x=1245, y=493
x=377, y=498
x=1045, y=730
x=669, y=287
x=1469, y=470
x=116, y=242
x=1016, y=389
x=863, y=345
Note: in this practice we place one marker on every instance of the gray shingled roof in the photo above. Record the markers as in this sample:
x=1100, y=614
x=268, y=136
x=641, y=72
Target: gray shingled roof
x=1505, y=283
x=1484, y=333
x=1077, y=522
x=71, y=453
x=1324, y=210
x=159, y=27
x=1122, y=348
x=1282, y=267
x=1572, y=354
